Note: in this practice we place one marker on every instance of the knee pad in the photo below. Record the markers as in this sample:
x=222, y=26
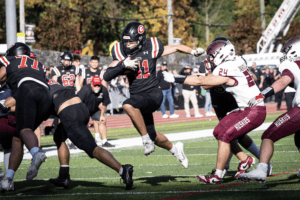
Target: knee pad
x=59, y=135
x=151, y=132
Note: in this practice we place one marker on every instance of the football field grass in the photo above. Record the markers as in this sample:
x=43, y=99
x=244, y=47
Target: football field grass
x=160, y=175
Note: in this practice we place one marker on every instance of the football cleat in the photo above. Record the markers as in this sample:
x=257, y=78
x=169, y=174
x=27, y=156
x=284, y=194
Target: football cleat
x=209, y=179
x=60, y=182
x=244, y=165
x=7, y=184
x=149, y=146
x=127, y=176
x=180, y=155
x=37, y=160
x=72, y=146
x=107, y=144
x=259, y=174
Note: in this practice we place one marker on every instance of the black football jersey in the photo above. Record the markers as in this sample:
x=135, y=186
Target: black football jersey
x=145, y=79
x=222, y=101
x=59, y=94
x=66, y=76
x=92, y=99
x=87, y=75
x=20, y=67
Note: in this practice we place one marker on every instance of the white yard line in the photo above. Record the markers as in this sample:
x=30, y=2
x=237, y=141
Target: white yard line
x=137, y=141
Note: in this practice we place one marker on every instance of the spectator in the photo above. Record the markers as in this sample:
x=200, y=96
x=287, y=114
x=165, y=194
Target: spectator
x=158, y=68
x=268, y=77
x=189, y=93
x=258, y=74
x=167, y=92
x=289, y=97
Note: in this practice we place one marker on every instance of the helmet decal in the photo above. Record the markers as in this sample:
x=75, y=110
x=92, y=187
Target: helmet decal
x=141, y=29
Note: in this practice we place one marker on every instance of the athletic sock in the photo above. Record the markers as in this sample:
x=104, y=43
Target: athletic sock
x=97, y=136
x=219, y=173
x=10, y=173
x=146, y=137
x=173, y=150
x=103, y=141
x=64, y=171
x=121, y=171
x=6, y=156
x=254, y=150
x=34, y=150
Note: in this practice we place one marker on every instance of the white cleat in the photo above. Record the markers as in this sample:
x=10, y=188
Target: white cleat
x=7, y=184
x=180, y=155
x=149, y=146
x=257, y=174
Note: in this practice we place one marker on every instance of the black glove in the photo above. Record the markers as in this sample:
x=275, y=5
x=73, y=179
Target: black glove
x=4, y=109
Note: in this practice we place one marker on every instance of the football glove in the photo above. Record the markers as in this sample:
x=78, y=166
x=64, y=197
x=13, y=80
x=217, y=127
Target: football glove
x=197, y=52
x=3, y=108
x=256, y=100
x=131, y=64
x=169, y=77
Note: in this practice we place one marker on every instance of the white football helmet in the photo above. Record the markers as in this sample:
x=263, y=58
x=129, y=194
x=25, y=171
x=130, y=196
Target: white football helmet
x=291, y=49
x=221, y=51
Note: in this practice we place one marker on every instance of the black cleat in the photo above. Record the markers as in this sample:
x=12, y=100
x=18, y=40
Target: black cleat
x=60, y=182
x=127, y=176
x=107, y=144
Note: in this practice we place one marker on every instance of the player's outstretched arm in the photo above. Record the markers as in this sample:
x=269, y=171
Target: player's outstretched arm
x=183, y=49
x=199, y=80
x=277, y=86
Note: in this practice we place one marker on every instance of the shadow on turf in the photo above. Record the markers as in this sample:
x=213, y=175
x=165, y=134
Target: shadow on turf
x=155, y=181
x=41, y=187
x=283, y=181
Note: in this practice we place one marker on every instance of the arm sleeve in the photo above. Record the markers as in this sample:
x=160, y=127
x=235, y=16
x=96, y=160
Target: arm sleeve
x=82, y=93
x=106, y=99
x=113, y=72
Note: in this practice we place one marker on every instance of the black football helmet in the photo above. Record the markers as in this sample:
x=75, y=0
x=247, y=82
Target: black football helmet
x=134, y=31
x=18, y=49
x=66, y=55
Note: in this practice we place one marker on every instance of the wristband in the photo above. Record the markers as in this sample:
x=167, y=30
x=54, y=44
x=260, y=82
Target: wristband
x=269, y=91
x=179, y=78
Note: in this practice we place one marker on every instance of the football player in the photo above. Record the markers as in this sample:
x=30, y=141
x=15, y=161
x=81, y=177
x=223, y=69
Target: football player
x=223, y=102
x=74, y=116
x=86, y=74
x=136, y=57
x=95, y=96
x=233, y=74
x=66, y=73
x=26, y=76
x=287, y=123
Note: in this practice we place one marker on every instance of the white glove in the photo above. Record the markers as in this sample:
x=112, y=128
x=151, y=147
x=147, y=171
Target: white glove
x=256, y=100
x=169, y=77
x=131, y=64
x=198, y=52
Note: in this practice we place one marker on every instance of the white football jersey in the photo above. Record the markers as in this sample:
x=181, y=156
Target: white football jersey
x=293, y=67
x=245, y=87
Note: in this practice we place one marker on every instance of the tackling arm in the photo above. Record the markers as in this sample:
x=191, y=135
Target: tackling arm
x=196, y=80
x=183, y=49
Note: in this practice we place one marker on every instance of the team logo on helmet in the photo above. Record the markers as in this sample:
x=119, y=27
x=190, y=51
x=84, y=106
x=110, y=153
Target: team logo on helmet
x=141, y=29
